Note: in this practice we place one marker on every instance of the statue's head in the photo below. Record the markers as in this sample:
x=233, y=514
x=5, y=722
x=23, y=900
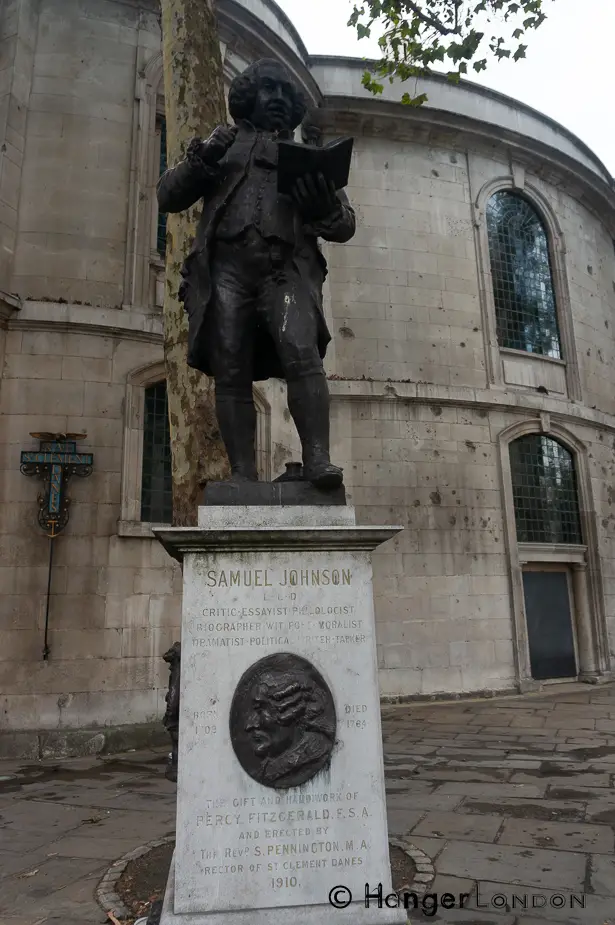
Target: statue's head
x=266, y=96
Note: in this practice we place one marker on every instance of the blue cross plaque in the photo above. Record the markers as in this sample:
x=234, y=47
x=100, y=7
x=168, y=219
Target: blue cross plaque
x=55, y=462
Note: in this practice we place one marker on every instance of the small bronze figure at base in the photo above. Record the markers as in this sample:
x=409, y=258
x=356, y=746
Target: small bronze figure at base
x=171, y=716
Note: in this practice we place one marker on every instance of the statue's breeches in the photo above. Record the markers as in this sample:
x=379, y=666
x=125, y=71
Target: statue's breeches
x=260, y=300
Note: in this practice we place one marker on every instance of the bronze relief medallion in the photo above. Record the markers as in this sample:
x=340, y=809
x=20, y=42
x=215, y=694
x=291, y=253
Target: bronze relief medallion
x=282, y=721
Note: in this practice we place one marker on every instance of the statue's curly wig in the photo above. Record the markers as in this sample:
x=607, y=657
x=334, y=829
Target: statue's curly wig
x=243, y=89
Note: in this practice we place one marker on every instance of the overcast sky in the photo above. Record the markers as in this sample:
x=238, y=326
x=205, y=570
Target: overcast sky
x=569, y=72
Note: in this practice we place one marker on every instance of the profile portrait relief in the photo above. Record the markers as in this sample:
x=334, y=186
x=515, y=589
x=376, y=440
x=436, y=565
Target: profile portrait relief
x=282, y=721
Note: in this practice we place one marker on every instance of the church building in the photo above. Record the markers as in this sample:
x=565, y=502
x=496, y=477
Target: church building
x=471, y=372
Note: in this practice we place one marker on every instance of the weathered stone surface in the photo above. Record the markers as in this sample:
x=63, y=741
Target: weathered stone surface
x=567, y=836
x=79, y=742
x=413, y=423
x=240, y=810
x=603, y=875
x=132, y=801
x=454, y=825
x=539, y=868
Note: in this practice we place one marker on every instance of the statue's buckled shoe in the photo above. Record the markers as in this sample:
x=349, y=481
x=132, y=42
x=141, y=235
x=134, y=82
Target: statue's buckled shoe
x=324, y=475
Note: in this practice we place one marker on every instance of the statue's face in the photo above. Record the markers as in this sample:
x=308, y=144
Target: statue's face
x=269, y=737
x=273, y=108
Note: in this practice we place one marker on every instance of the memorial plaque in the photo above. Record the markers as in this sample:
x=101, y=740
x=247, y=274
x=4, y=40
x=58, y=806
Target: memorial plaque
x=283, y=721
x=281, y=785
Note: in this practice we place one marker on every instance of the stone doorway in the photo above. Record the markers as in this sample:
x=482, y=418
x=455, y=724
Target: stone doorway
x=549, y=614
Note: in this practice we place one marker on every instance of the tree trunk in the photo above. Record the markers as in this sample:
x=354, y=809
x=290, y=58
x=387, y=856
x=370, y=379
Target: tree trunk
x=194, y=100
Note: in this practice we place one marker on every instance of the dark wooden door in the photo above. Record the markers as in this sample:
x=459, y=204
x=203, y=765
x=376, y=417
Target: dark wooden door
x=549, y=624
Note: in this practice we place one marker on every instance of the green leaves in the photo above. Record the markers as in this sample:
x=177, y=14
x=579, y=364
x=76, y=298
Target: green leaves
x=415, y=35
x=408, y=100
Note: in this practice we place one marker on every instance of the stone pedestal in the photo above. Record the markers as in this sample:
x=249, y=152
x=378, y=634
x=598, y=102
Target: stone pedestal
x=281, y=785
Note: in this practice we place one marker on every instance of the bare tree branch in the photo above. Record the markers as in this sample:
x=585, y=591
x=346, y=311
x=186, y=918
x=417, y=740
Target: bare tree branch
x=457, y=8
x=430, y=21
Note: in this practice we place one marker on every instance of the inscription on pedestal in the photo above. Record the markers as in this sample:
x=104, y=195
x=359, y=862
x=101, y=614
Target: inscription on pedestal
x=281, y=787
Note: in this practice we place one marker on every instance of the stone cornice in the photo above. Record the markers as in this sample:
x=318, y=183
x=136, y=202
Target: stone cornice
x=521, y=403
x=352, y=115
x=482, y=96
x=469, y=110
x=238, y=25
x=9, y=306
x=180, y=541
x=137, y=326
x=85, y=319
x=150, y=6
x=236, y=9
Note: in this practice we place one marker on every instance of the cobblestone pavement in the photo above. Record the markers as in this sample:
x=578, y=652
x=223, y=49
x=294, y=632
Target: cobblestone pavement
x=512, y=798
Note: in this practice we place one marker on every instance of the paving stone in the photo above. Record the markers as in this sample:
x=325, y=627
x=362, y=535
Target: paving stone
x=505, y=863
x=602, y=812
x=561, y=835
x=603, y=876
x=470, y=753
x=444, y=883
x=402, y=821
x=455, y=825
x=34, y=893
x=552, y=793
x=549, y=921
x=425, y=801
x=563, y=779
x=463, y=774
x=104, y=848
x=132, y=800
x=523, y=808
x=128, y=825
x=468, y=916
x=564, y=791
x=431, y=846
x=75, y=902
x=27, y=920
x=27, y=828
x=493, y=790
x=24, y=920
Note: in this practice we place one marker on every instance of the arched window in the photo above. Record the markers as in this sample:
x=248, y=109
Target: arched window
x=526, y=314
x=156, y=483
x=545, y=493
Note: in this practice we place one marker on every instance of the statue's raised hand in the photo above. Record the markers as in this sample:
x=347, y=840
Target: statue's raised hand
x=218, y=143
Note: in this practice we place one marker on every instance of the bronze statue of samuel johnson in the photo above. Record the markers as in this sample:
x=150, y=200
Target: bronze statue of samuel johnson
x=252, y=283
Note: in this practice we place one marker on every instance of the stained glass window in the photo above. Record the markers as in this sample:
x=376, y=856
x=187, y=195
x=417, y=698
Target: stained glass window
x=525, y=308
x=161, y=231
x=545, y=491
x=156, y=490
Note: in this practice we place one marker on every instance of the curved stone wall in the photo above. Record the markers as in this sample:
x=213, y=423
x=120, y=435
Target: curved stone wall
x=424, y=403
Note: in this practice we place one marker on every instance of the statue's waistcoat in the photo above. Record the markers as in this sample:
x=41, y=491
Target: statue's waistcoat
x=244, y=194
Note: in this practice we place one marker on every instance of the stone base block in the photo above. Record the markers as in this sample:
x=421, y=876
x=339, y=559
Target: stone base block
x=270, y=493
x=281, y=796
x=77, y=743
x=325, y=914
